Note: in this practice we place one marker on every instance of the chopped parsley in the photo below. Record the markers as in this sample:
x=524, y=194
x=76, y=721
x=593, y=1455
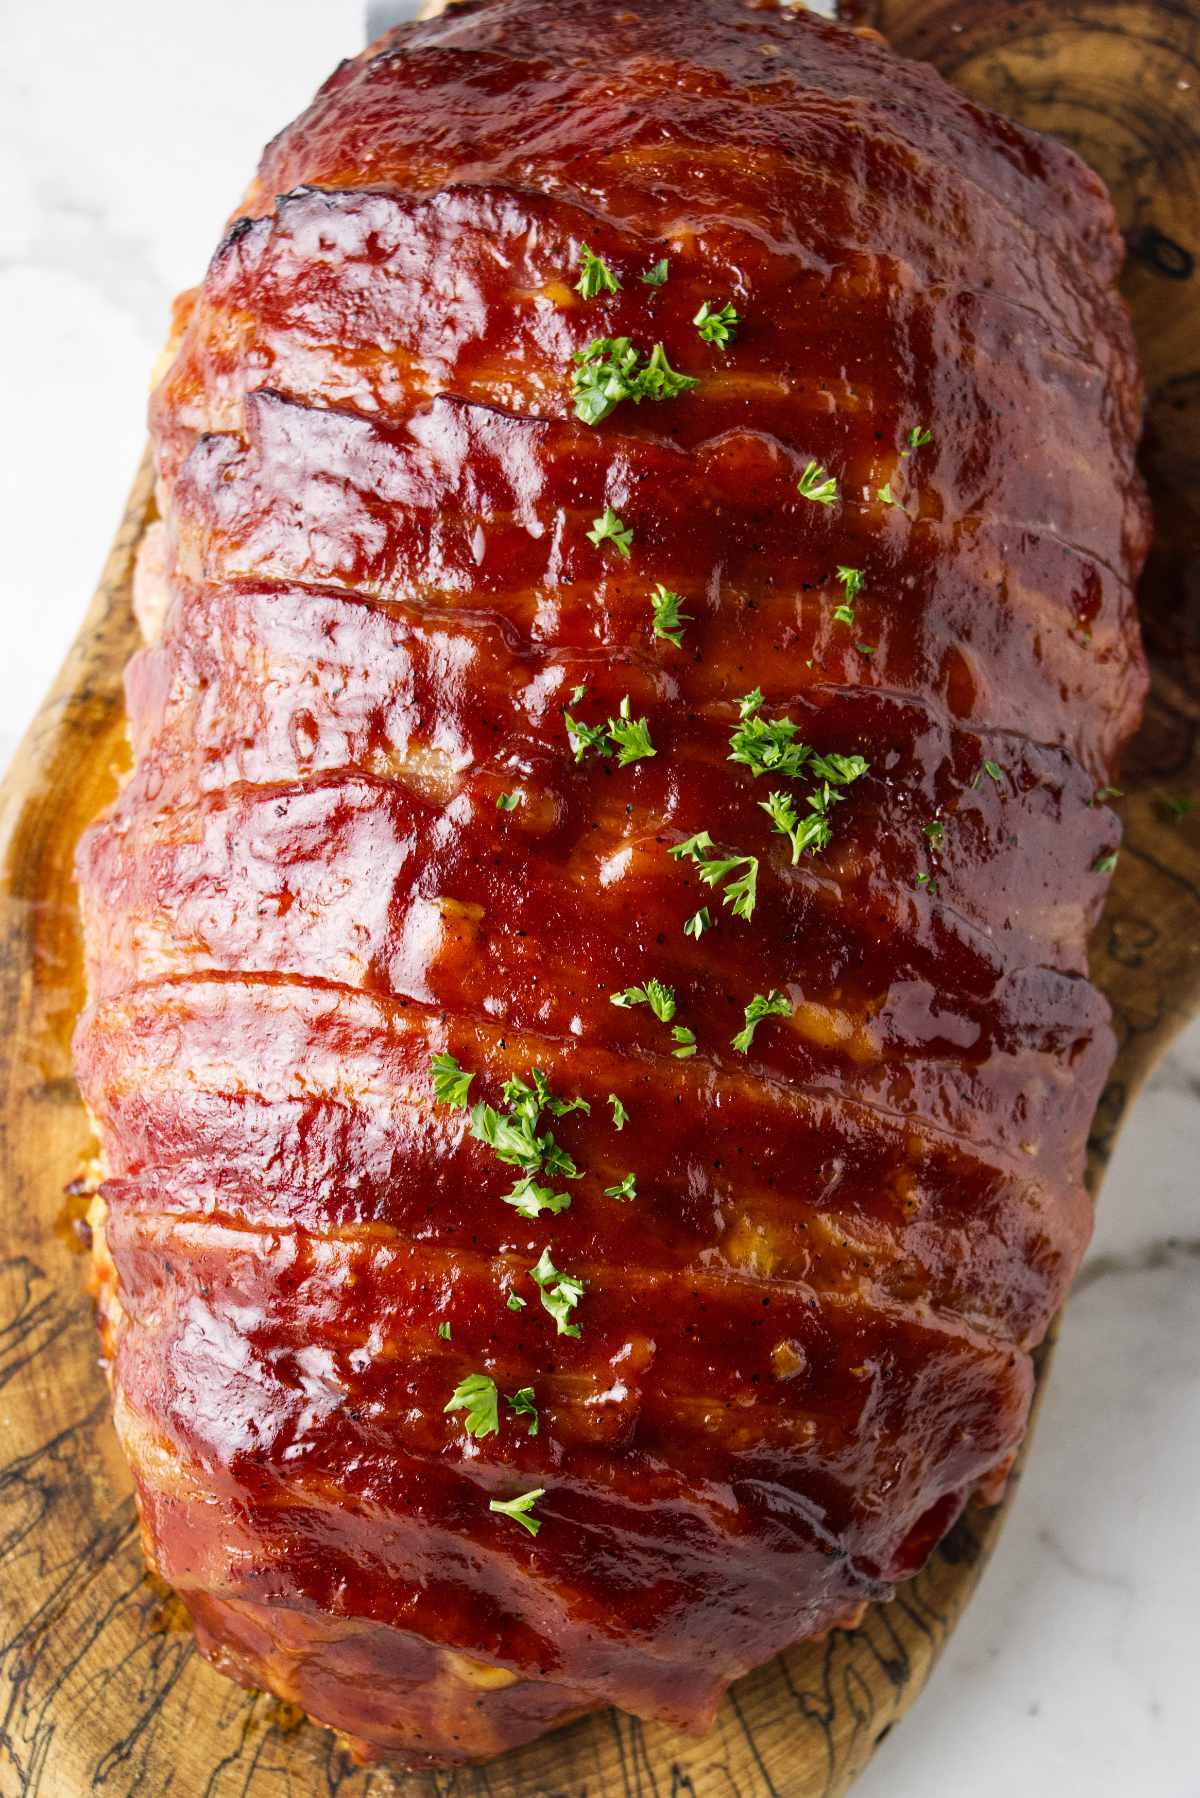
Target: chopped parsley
x=450, y=1082
x=1104, y=864
x=686, y=1040
x=620, y=1115
x=560, y=1293
x=772, y=746
x=515, y=1302
x=660, y=999
x=843, y=614
x=522, y=1404
x=631, y=736
x=476, y=1395
x=851, y=579
x=886, y=495
x=596, y=276
x=763, y=1005
x=935, y=830
x=817, y=484
x=585, y=737
x=444, y=1331
x=1176, y=805
x=520, y=1509
x=513, y=1135
x=612, y=369
x=918, y=437
x=610, y=528
x=624, y=1189
x=741, y=893
x=656, y=276
x=717, y=324
x=866, y=649
x=994, y=771
x=699, y=922
x=508, y=802
x=529, y=1199
x=1102, y=794
x=669, y=618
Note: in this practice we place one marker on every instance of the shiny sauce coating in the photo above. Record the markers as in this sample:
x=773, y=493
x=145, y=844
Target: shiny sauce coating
x=357, y=836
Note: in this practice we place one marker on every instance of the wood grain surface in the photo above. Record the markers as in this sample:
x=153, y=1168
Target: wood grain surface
x=101, y=1688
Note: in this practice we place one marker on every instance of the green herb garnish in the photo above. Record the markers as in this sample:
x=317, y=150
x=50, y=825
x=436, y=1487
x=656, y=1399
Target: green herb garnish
x=450, y=1082
x=817, y=484
x=717, y=324
x=508, y=802
x=631, y=736
x=763, y=1005
x=624, y=1189
x=660, y=999
x=698, y=923
x=669, y=619
x=686, y=1040
x=611, y=369
x=656, y=276
x=935, y=830
x=596, y=276
x=443, y=1331
x=522, y=1404
x=515, y=1302
x=741, y=893
x=560, y=1293
x=843, y=614
x=851, y=579
x=476, y=1395
x=620, y=1115
x=519, y=1509
x=918, y=437
x=610, y=528
x=1104, y=864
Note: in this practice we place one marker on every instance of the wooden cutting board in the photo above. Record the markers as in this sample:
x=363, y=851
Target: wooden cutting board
x=102, y=1689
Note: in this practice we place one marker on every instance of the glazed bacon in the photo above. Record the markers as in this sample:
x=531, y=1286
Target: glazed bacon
x=805, y=1324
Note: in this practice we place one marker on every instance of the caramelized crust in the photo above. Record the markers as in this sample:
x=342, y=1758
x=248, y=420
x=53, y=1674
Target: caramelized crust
x=806, y=1342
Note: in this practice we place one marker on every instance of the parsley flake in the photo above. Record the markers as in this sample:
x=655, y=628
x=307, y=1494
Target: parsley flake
x=918, y=437
x=843, y=614
x=886, y=495
x=1102, y=794
x=624, y=1189
x=585, y=737
x=817, y=484
x=717, y=325
x=656, y=276
x=631, y=736
x=560, y=1293
x=660, y=999
x=596, y=276
x=612, y=369
x=1176, y=805
x=620, y=1115
x=741, y=893
x=763, y=1005
x=515, y=1302
x=476, y=1395
x=994, y=771
x=935, y=830
x=522, y=1404
x=611, y=528
x=1104, y=864
x=520, y=1509
x=508, y=802
x=851, y=579
x=687, y=1042
x=450, y=1082
x=699, y=922
x=443, y=1331
x=669, y=619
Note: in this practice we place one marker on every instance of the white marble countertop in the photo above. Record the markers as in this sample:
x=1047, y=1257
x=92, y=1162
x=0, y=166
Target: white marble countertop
x=127, y=132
